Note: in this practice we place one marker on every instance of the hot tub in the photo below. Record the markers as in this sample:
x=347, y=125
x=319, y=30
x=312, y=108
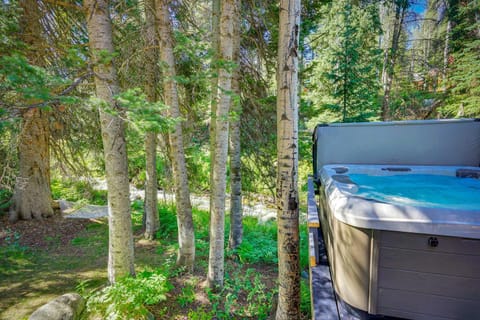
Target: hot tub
x=402, y=253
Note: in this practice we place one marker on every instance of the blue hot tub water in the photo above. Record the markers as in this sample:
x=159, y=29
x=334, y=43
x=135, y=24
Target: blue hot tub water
x=420, y=190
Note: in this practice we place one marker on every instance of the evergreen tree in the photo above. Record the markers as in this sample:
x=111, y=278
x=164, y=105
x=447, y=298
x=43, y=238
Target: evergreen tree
x=345, y=70
x=465, y=67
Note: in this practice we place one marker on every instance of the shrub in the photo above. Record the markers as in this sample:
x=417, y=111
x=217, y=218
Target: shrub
x=126, y=299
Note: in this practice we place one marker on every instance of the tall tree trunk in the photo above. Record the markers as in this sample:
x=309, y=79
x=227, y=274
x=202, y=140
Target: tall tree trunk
x=214, y=87
x=32, y=196
x=391, y=57
x=120, y=250
x=152, y=222
x=186, y=235
x=446, y=49
x=217, y=211
x=287, y=171
x=236, y=227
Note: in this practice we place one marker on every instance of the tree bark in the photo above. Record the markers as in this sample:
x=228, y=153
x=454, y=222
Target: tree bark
x=120, y=253
x=32, y=195
x=287, y=162
x=236, y=227
x=152, y=223
x=186, y=235
x=446, y=50
x=217, y=211
x=214, y=87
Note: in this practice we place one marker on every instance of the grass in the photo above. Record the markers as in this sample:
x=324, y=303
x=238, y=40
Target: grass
x=160, y=287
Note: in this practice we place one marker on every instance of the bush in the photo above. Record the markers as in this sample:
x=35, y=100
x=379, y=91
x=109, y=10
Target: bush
x=5, y=199
x=127, y=298
x=259, y=242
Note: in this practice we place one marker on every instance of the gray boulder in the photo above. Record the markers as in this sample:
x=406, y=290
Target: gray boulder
x=66, y=307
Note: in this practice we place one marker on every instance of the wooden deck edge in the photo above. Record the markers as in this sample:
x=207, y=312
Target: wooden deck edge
x=324, y=305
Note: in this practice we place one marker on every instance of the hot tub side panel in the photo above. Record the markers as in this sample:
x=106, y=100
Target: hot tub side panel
x=423, y=282
x=348, y=251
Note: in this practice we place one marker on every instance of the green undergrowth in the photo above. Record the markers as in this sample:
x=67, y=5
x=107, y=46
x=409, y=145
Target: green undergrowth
x=5, y=199
x=80, y=191
x=250, y=284
x=128, y=298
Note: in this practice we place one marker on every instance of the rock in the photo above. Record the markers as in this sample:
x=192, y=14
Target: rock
x=66, y=307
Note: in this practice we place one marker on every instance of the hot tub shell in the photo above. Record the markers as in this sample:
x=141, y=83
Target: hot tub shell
x=424, y=270
x=400, y=261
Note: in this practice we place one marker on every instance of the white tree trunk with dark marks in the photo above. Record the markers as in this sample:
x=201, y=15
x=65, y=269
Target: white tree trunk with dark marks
x=217, y=210
x=215, y=35
x=446, y=50
x=152, y=223
x=120, y=250
x=236, y=226
x=186, y=235
x=288, y=307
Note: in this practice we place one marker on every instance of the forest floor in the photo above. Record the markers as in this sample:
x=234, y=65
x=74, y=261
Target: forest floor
x=40, y=260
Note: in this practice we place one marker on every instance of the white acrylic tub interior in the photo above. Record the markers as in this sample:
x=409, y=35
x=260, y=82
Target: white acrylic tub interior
x=357, y=211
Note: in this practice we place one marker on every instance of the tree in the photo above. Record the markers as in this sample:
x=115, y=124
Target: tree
x=465, y=68
x=219, y=160
x=32, y=196
x=390, y=53
x=186, y=235
x=236, y=227
x=152, y=222
x=354, y=62
x=287, y=163
x=120, y=253
x=215, y=38
x=343, y=82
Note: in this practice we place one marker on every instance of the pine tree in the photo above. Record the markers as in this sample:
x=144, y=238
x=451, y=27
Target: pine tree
x=465, y=68
x=347, y=61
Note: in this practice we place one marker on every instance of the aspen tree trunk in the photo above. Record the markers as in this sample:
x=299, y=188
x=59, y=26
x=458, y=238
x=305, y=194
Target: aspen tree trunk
x=445, y=55
x=236, y=227
x=152, y=222
x=214, y=88
x=384, y=20
x=217, y=210
x=120, y=249
x=32, y=195
x=186, y=235
x=288, y=307
x=400, y=11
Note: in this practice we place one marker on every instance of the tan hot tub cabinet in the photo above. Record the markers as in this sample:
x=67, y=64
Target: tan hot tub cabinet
x=387, y=272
